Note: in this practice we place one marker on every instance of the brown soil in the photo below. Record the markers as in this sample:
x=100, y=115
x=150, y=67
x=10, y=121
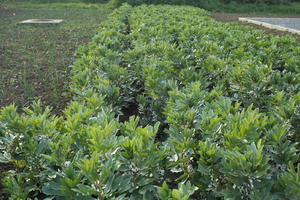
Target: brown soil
x=14, y=89
x=234, y=17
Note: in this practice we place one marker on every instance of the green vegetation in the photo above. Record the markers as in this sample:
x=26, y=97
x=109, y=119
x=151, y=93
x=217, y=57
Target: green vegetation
x=56, y=1
x=168, y=104
x=259, y=8
x=57, y=5
x=245, y=6
x=35, y=59
x=68, y=6
x=287, y=7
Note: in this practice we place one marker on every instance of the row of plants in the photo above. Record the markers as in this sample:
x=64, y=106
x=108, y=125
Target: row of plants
x=260, y=1
x=236, y=6
x=168, y=104
x=202, y=3
x=177, y=2
x=290, y=7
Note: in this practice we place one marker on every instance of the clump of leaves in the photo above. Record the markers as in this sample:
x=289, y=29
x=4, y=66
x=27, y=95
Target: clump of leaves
x=217, y=110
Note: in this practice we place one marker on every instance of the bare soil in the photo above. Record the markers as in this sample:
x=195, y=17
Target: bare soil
x=35, y=59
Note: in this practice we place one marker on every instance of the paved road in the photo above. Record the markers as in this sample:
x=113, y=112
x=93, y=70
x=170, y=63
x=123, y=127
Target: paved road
x=293, y=23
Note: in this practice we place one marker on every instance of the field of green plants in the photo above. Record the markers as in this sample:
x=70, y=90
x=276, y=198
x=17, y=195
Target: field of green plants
x=285, y=7
x=168, y=104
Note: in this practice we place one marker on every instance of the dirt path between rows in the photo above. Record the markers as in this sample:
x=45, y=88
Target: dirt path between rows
x=234, y=17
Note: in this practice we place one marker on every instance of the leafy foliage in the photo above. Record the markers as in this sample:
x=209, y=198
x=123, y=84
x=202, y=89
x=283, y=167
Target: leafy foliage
x=168, y=104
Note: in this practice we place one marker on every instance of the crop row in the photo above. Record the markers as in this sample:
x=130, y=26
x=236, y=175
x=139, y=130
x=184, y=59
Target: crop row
x=168, y=104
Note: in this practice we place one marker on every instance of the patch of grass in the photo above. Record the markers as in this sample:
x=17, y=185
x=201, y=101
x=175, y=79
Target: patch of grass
x=35, y=59
x=56, y=5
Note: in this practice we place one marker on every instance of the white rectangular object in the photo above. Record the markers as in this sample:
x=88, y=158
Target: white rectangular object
x=42, y=21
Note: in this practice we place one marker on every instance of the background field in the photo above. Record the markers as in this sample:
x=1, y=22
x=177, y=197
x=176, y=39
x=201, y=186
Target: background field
x=35, y=59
